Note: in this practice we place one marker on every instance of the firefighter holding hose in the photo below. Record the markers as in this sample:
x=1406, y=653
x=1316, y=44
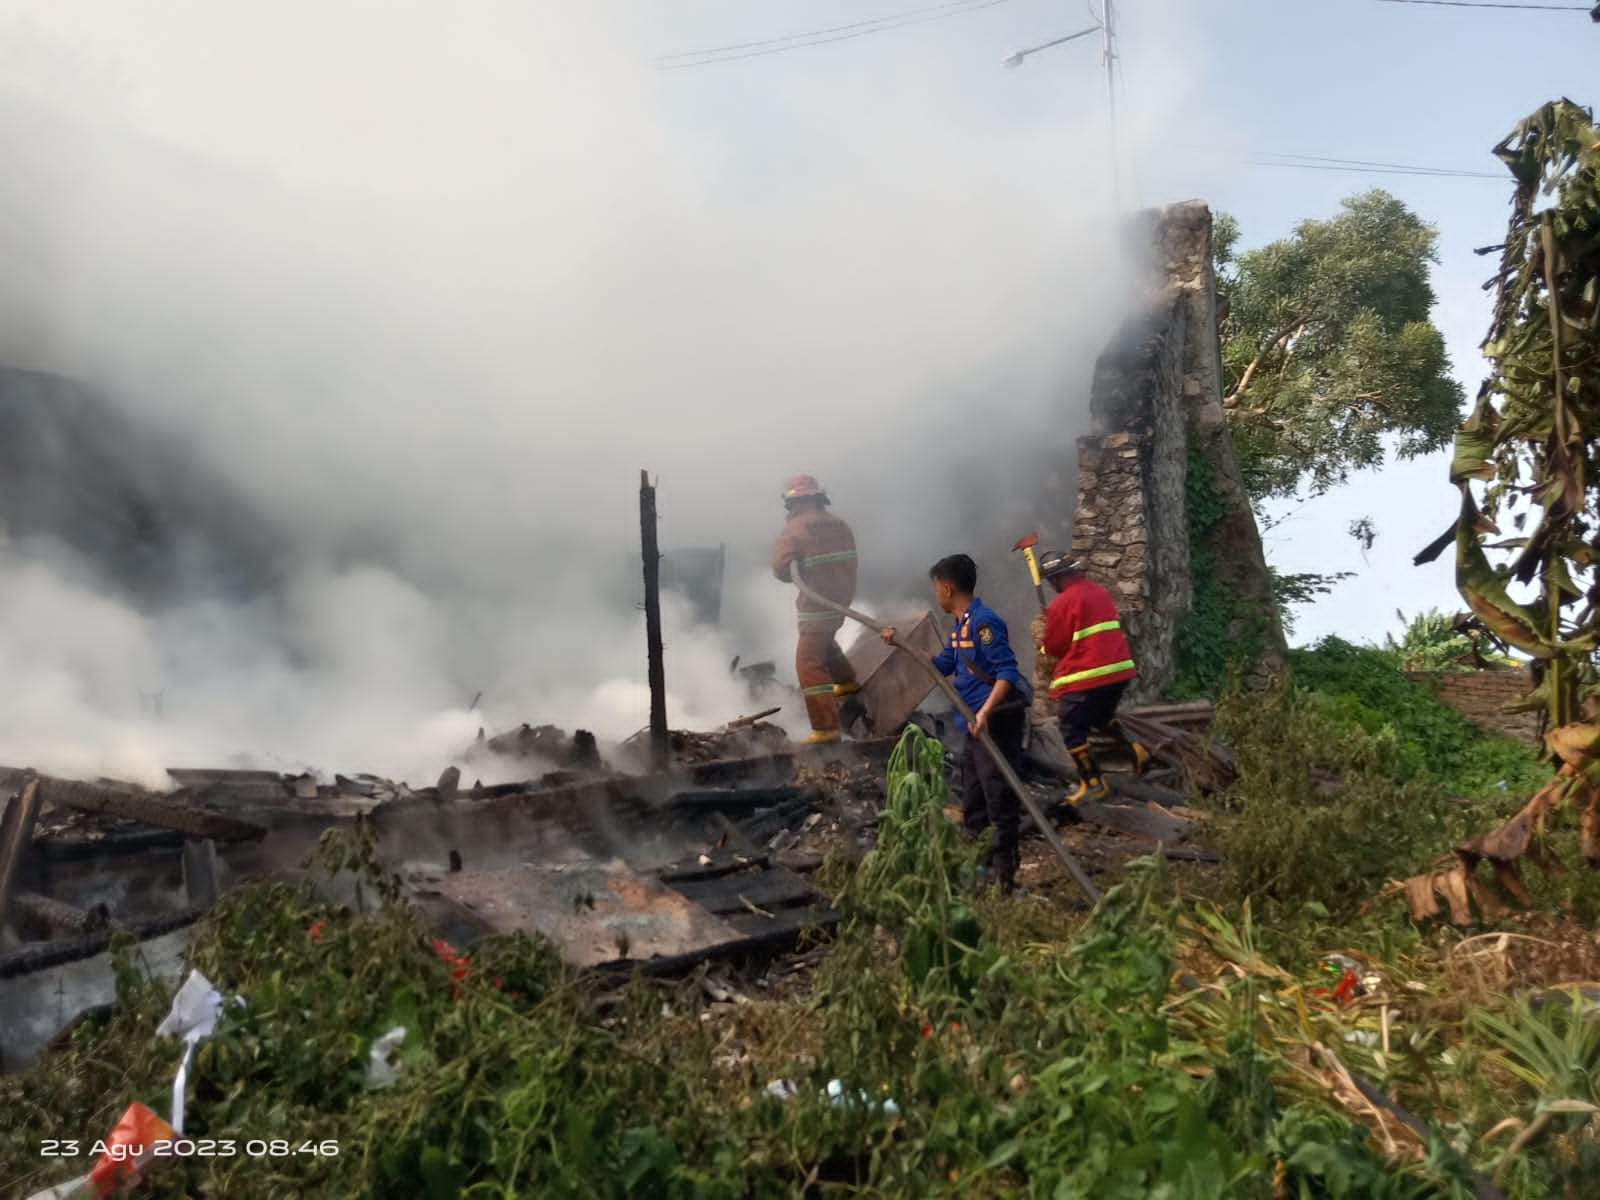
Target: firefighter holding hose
x=825, y=549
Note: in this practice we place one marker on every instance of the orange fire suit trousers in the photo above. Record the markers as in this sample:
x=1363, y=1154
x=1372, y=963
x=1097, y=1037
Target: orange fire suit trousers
x=820, y=664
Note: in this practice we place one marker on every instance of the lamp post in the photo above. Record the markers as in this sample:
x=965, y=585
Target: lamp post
x=1107, y=32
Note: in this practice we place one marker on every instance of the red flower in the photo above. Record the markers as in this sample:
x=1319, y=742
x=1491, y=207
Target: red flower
x=315, y=932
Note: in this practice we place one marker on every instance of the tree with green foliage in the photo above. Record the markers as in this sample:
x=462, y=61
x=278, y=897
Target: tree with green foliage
x=1328, y=350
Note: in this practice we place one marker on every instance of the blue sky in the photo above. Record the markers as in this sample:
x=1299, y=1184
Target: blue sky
x=1352, y=79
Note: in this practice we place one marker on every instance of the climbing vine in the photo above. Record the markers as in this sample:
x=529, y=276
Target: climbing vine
x=1217, y=633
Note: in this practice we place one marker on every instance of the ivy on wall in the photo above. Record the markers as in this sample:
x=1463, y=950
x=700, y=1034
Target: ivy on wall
x=1218, y=633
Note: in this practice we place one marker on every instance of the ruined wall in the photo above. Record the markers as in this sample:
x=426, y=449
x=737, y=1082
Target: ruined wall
x=1157, y=404
x=1128, y=528
x=1478, y=696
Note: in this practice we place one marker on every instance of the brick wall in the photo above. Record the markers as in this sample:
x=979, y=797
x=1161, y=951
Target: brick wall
x=1479, y=695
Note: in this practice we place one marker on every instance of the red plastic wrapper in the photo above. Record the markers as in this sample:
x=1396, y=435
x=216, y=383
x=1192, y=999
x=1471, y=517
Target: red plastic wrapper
x=130, y=1149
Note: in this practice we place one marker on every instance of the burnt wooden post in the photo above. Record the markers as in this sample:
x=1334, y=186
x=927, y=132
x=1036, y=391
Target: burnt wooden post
x=659, y=743
x=16, y=839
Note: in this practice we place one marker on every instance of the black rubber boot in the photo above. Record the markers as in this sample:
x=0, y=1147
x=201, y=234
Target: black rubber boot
x=1091, y=782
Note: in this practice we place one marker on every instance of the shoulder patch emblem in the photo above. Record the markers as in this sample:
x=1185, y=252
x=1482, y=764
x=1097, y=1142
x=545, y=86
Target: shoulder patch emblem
x=986, y=635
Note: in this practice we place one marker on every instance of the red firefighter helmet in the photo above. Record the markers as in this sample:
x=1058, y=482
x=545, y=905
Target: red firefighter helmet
x=802, y=487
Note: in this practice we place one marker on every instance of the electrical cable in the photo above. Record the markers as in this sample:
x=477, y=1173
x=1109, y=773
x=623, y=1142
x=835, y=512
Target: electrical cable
x=1490, y=4
x=790, y=37
x=705, y=58
x=1326, y=162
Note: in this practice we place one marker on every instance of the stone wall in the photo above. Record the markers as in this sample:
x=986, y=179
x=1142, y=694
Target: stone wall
x=1157, y=400
x=1479, y=695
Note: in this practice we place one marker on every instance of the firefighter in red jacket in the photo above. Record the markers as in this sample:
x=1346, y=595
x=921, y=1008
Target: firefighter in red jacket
x=1083, y=634
x=825, y=550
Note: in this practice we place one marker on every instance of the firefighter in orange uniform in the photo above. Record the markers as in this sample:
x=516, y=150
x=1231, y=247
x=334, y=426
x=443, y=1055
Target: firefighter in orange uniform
x=825, y=550
x=1083, y=633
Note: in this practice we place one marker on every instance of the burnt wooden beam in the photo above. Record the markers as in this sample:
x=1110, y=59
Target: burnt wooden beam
x=770, y=889
x=45, y=917
x=138, y=841
x=16, y=838
x=753, y=948
x=1139, y=821
x=660, y=741
x=148, y=808
x=1136, y=847
x=1135, y=789
x=737, y=800
x=65, y=950
x=717, y=867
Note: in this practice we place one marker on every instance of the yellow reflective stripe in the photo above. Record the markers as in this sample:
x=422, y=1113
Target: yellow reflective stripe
x=1103, y=627
x=821, y=689
x=1093, y=673
x=836, y=556
x=964, y=645
x=818, y=616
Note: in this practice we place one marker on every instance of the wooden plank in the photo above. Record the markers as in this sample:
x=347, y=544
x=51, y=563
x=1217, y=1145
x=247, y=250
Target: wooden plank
x=148, y=808
x=1127, y=785
x=773, y=888
x=721, y=864
x=1139, y=821
x=1138, y=847
x=742, y=800
x=753, y=948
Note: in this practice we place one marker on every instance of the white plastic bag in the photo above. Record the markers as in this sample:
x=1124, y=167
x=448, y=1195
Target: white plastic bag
x=380, y=1071
x=195, y=1011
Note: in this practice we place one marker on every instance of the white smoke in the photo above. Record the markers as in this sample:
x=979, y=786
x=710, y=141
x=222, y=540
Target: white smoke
x=429, y=284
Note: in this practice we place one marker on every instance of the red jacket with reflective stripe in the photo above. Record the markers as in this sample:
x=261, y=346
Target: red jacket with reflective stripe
x=1083, y=633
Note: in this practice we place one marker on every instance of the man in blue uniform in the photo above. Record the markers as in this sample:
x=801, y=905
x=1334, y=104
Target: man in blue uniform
x=991, y=684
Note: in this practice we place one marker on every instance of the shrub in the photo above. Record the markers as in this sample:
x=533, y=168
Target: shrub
x=1364, y=687
x=1322, y=810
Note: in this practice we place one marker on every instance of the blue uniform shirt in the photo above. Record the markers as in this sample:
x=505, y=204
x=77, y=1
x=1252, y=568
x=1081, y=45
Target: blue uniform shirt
x=980, y=640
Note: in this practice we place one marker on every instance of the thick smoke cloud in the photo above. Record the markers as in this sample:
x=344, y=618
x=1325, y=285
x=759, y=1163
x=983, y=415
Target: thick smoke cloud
x=428, y=284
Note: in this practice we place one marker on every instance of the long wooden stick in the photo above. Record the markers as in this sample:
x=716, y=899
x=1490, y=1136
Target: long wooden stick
x=1085, y=884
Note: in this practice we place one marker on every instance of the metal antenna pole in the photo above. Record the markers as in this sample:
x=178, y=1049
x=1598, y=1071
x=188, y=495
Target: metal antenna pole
x=1108, y=54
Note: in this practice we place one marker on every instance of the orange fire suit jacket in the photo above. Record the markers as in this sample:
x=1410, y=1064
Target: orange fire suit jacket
x=826, y=550
x=1083, y=633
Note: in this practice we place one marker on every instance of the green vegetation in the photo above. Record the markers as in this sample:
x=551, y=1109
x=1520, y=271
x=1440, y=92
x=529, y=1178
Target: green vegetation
x=1323, y=812
x=1365, y=688
x=1328, y=348
x=1436, y=641
x=1208, y=646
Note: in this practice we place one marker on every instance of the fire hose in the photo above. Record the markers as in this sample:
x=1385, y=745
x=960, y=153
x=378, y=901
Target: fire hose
x=1085, y=884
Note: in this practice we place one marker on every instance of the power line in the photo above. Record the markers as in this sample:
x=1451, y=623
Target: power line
x=881, y=25
x=1489, y=4
x=1321, y=162
x=1421, y=172
x=789, y=37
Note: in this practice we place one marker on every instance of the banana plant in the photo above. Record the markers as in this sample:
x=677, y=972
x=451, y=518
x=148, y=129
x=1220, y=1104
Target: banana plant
x=1527, y=460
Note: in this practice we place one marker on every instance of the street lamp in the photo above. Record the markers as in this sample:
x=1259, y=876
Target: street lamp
x=1015, y=60
x=1107, y=34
